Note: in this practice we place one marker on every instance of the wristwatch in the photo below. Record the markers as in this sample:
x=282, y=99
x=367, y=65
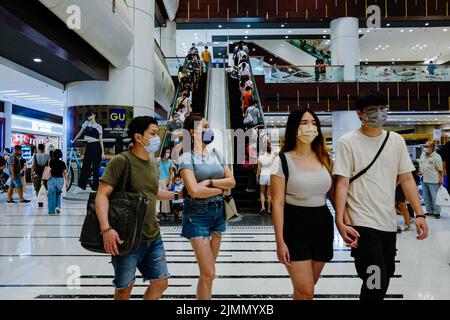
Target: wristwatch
x=176, y=196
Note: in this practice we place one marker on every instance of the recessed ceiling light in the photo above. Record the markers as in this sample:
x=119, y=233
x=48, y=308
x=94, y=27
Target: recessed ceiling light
x=425, y=45
x=37, y=99
x=195, y=34
x=445, y=30
x=246, y=32
x=30, y=96
x=220, y=26
x=427, y=24
x=38, y=60
x=325, y=31
x=388, y=25
x=376, y=48
x=360, y=31
x=410, y=30
x=196, y=38
x=282, y=25
x=324, y=37
x=402, y=30
x=246, y=37
x=387, y=46
x=286, y=37
x=379, y=46
x=248, y=26
x=368, y=31
x=290, y=31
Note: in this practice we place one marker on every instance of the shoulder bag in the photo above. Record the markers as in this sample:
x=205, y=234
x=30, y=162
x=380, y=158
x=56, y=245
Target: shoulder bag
x=127, y=213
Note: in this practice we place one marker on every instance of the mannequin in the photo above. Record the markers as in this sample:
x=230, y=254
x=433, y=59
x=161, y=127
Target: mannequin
x=95, y=151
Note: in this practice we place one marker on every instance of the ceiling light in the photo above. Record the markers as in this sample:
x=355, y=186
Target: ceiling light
x=37, y=99
x=9, y=91
x=383, y=49
x=425, y=45
x=246, y=32
x=17, y=94
x=427, y=24
x=196, y=38
x=290, y=31
x=38, y=60
x=325, y=31
x=246, y=37
x=248, y=26
x=282, y=25
x=220, y=26
x=445, y=30
x=376, y=48
x=379, y=46
x=413, y=48
x=410, y=30
x=286, y=37
x=195, y=34
x=388, y=25
x=30, y=96
x=366, y=59
x=402, y=30
x=360, y=31
x=324, y=37
x=387, y=46
x=368, y=31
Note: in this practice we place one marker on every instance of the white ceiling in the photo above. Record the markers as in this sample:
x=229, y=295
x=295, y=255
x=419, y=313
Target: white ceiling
x=436, y=41
x=23, y=90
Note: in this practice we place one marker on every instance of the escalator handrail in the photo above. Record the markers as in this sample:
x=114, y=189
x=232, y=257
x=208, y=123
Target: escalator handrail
x=208, y=82
x=255, y=89
x=172, y=110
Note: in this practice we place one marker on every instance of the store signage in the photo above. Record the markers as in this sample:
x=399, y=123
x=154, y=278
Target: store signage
x=41, y=127
x=117, y=117
x=18, y=139
x=437, y=134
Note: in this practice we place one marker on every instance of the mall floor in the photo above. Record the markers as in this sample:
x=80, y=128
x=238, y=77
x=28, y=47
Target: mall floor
x=41, y=258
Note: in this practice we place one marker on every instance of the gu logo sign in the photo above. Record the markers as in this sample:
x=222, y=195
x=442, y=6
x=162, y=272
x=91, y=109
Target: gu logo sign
x=117, y=117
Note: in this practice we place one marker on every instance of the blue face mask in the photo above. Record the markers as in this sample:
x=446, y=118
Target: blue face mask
x=153, y=146
x=208, y=136
x=426, y=150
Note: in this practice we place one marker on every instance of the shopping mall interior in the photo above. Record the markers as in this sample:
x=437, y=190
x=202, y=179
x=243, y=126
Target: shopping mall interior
x=63, y=61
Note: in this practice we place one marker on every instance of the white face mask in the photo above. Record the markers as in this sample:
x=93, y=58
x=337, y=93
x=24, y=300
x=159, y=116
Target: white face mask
x=307, y=133
x=154, y=145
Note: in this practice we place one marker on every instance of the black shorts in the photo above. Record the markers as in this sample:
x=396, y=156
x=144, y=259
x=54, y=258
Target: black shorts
x=308, y=233
x=177, y=207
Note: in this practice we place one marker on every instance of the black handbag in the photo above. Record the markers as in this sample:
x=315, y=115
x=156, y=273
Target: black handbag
x=127, y=213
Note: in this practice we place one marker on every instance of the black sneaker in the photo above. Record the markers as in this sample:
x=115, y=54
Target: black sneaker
x=12, y=201
x=429, y=214
x=437, y=216
x=25, y=201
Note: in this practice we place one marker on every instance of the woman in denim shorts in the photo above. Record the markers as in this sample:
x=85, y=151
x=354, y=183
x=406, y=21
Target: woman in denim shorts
x=205, y=178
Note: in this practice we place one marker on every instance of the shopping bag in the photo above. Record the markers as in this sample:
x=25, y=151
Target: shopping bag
x=42, y=195
x=442, y=197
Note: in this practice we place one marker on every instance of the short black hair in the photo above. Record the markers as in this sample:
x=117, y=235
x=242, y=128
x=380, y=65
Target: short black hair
x=57, y=154
x=370, y=98
x=41, y=147
x=139, y=125
x=206, y=47
x=90, y=113
x=16, y=148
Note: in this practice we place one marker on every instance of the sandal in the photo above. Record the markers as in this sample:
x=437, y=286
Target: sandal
x=262, y=212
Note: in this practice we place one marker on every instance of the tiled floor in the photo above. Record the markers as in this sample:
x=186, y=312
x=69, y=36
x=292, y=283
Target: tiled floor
x=40, y=258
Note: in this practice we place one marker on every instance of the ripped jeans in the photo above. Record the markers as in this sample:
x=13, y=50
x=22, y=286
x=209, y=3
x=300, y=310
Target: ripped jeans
x=149, y=258
x=202, y=218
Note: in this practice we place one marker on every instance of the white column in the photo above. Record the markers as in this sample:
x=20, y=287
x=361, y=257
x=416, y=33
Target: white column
x=8, y=123
x=134, y=85
x=344, y=122
x=345, y=45
x=169, y=39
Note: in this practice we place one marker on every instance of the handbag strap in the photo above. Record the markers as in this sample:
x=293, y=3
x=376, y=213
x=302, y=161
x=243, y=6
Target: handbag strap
x=285, y=167
x=126, y=175
x=373, y=161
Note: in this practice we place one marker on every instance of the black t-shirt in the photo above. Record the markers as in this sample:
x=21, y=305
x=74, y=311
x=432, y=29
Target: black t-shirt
x=57, y=167
x=445, y=154
x=2, y=162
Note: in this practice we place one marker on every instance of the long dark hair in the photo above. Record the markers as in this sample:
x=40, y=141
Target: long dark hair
x=318, y=145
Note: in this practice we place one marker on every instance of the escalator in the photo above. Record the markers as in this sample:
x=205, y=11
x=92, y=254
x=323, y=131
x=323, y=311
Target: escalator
x=199, y=96
x=246, y=202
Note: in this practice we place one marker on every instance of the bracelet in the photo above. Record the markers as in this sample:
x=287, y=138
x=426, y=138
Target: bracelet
x=106, y=230
x=420, y=216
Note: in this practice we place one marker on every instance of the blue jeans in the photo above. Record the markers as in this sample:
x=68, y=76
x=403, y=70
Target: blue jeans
x=202, y=218
x=55, y=187
x=429, y=196
x=149, y=258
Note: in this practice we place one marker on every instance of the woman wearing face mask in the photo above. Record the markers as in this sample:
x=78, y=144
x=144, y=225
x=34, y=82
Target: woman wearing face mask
x=166, y=174
x=95, y=151
x=301, y=181
x=205, y=178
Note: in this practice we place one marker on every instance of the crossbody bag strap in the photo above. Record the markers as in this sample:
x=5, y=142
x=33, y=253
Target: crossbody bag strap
x=373, y=161
x=285, y=167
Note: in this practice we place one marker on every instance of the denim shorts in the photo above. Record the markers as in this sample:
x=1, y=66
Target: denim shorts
x=16, y=184
x=149, y=258
x=202, y=218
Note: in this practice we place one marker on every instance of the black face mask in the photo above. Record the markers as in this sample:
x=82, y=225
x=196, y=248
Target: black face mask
x=207, y=136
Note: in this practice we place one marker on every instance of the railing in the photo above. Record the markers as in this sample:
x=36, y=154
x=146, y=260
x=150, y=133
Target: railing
x=303, y=74
x=173, y=63
x=256, y=95
x=160, y=54
x=257, y=63
x=167, y=139
x=302, y=45
x=208, y=82
x=402, y=73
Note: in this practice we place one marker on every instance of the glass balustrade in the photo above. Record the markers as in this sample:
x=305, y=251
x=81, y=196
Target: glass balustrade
x=402, y=73
x=303, y=74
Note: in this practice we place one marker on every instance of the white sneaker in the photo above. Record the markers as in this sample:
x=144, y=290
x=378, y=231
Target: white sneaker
x=58, y=211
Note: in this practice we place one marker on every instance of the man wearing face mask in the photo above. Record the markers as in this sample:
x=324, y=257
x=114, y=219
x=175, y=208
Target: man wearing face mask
x=150, y=256
x=430, y=166
x=369, y=162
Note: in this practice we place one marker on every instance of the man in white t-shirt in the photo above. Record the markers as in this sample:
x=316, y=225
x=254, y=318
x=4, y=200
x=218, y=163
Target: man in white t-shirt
x=365, y=206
